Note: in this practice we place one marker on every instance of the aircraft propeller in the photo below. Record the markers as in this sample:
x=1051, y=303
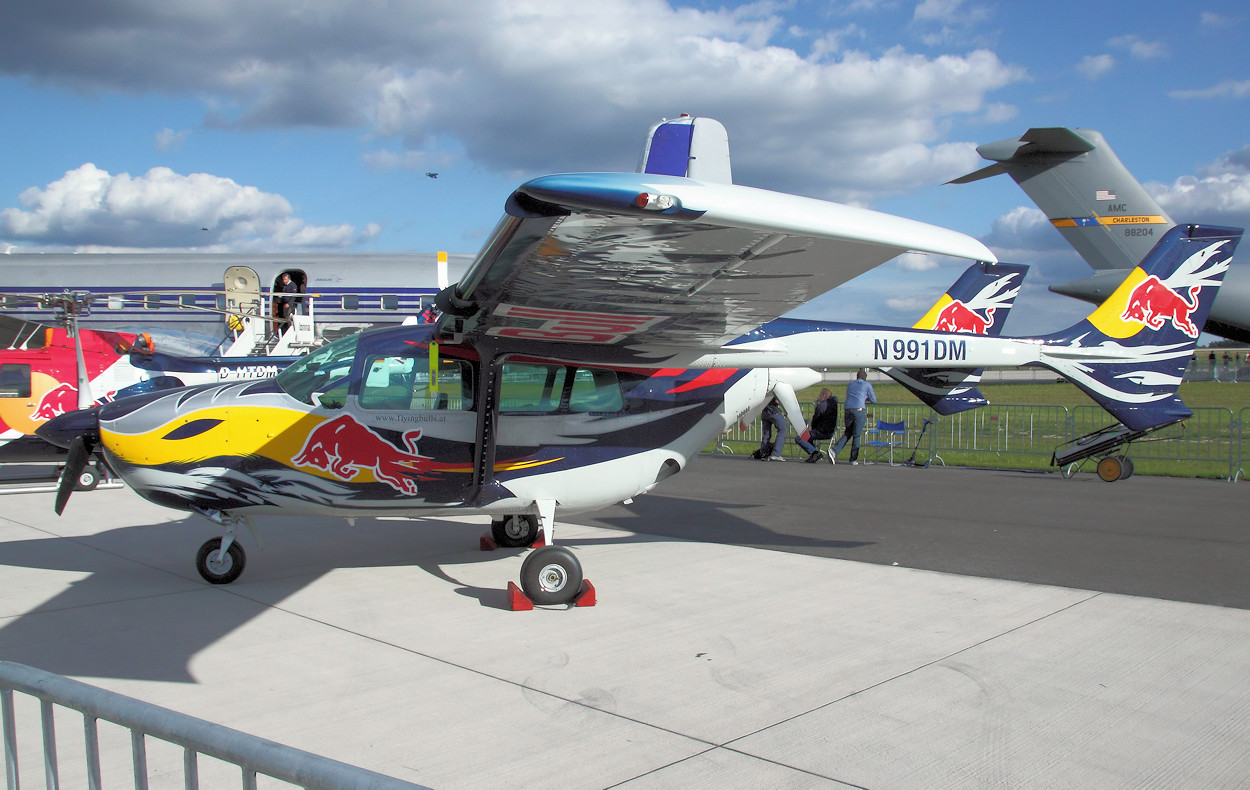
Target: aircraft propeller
x=79, y=432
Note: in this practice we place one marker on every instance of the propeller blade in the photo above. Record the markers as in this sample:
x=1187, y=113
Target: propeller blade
x=79, y=454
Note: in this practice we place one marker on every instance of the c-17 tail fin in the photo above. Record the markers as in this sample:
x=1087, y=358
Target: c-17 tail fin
x=1147, y=328
x=1087, y=193
x=977, y=303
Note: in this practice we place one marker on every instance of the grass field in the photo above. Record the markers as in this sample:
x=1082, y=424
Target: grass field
x=1025, y=423
x=1198, y=394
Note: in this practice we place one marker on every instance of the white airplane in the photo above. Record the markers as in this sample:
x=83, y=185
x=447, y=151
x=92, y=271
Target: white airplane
x=196, y=302
x=612, y=326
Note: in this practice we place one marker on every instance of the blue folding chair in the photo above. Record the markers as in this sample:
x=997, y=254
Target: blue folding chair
x=885, y=438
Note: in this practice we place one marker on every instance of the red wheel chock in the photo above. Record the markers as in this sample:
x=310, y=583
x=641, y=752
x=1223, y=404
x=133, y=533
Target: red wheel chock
x=587, y=595
x=518, y=601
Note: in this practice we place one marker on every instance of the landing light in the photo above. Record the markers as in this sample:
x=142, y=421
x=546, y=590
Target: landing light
x=646, y=200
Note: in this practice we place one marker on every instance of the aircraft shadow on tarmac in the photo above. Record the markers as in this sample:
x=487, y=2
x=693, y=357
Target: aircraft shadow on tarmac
x=141, y=611
x=715, y=522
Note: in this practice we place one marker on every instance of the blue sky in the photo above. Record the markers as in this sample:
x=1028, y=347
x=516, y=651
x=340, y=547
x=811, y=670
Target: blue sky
x=288, y=126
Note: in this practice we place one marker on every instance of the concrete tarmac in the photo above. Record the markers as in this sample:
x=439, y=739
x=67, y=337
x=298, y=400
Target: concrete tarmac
x=752, y=630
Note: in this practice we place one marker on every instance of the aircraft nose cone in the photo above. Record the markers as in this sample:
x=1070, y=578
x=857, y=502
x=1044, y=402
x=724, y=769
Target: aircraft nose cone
x=63, y=429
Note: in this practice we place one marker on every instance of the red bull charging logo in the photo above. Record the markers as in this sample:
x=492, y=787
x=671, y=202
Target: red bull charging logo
x=343, y=447
x=958, y=317
x=55, y=402
x=1153, y=303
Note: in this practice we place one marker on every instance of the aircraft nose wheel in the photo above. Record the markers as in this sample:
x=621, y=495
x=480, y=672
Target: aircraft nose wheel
x=551, y=575
x=217, y=567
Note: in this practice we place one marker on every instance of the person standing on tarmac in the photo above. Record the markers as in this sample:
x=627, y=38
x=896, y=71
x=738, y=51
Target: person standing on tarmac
x=771, y=447
x=859, y=393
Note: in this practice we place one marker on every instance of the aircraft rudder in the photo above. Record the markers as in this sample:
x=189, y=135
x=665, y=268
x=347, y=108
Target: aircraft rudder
x=690, y=147
x=1131, y=353
x=1085, y=191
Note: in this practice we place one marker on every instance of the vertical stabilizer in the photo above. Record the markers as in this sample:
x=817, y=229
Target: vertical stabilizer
x=1087, y=193
x=691, y=147
x=1147, y=328
x=977, y=303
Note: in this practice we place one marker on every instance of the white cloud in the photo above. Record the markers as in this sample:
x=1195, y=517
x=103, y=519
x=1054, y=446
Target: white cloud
x=1094, y=66
x=1219, y=199
x=90, y=207
x=1142, y=50
x=168, y=140
x=518, y=87
x=1232, y=89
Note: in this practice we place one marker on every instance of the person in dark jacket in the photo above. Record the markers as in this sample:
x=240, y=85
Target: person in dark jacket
x=824, y=425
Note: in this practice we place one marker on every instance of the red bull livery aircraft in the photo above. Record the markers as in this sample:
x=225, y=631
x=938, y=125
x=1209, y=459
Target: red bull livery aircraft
x=612, y=326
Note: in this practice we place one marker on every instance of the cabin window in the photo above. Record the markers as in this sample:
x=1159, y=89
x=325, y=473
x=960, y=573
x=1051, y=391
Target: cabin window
x=546, y=389
x=351, y=302
x=116, y=302
x=595, y=390
x=408, y=383
x=151, y=301
x=14, y=381
x=11, y=302
x=186, y=300
x=390, y=302
x=531, y=388
x=321, y=378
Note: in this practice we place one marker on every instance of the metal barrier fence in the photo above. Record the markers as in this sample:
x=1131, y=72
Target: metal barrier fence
x=196, y=737
x=1212, y=443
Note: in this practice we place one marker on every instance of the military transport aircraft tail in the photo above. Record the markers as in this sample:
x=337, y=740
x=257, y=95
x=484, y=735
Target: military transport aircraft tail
x=1085, y=191
x=1147, y=328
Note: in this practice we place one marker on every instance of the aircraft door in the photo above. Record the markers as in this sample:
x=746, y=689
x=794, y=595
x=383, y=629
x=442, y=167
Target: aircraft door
x=242, y=287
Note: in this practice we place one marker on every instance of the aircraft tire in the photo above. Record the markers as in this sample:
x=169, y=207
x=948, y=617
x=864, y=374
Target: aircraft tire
x=551, y=575
x=1110, y=469
x=228, y=569
x=88, y=479
x=1126, y=467
x=514, y=531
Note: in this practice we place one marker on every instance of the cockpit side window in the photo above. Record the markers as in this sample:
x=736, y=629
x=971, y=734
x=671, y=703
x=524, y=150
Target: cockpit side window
x=322, y=377
x=395, y=382
x=14, y=381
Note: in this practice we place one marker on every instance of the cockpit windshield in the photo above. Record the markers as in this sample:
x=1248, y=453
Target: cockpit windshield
x=321, y=378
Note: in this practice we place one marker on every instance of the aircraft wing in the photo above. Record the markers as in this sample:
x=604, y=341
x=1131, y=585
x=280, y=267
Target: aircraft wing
x=646, y=265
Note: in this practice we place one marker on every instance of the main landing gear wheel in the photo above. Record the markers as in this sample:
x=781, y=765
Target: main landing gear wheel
x=514, y=531
x=218, y=568
x=551, y=575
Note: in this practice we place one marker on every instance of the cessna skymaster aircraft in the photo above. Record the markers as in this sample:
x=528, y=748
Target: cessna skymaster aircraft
x=612, y=326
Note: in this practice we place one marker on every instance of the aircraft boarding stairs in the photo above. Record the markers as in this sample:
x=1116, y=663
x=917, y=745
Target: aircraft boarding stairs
x=254, y=337
x=1103, y=443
